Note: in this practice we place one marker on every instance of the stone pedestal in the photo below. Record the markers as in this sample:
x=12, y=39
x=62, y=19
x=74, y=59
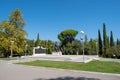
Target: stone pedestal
x=57, y=53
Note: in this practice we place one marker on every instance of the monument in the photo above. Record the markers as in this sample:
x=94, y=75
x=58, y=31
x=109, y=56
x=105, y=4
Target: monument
x=57, y=50
x=37, y=51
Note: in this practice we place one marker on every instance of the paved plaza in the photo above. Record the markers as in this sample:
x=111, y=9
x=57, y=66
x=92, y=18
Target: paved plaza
x=10, y=71
x=68, y=58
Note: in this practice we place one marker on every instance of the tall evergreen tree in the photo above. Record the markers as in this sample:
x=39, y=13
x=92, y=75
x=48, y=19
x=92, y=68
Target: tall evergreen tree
x=38, y=38
x=105, y=39
x=111, y=39
x=37, y=42
x=118, y=43
x=108, y=42
x=100, y=43
x=86, y=39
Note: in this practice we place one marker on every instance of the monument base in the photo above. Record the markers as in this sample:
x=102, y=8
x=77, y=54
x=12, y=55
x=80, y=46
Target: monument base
x=38, y=54
x=57, y=53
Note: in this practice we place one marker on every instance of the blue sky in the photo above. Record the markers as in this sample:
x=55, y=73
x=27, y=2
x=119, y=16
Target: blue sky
x=50, y=17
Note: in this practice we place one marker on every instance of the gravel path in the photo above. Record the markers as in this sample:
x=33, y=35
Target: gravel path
x=9, y=71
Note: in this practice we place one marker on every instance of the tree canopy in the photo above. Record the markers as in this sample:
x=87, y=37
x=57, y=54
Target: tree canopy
x=12, y=30
x=67, y=35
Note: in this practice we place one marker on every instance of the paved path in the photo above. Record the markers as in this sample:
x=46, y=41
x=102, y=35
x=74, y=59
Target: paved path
x=9, y=71
x=109, y=59
x=69, y=58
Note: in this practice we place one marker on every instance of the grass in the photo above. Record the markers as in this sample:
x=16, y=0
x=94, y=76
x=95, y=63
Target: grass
x=95, y=66
x=7, y=59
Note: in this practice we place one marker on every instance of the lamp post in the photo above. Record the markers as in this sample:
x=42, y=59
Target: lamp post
x=12, y=42
x=26, y=49
x=82, y=39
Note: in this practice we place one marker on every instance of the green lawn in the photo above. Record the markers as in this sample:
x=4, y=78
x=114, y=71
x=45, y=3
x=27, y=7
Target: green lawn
x=7, y=59
x=95, y=66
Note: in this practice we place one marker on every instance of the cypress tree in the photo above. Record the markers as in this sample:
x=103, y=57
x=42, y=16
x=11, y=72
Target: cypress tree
x=105, y=39
x=118, y=42
x=108, y=42
x=38, y=37
x=86, y=39
x=111, y=39
x=100, y=43
x=37, y=42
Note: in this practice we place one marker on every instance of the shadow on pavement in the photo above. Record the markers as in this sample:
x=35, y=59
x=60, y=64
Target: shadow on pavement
x=70, y=78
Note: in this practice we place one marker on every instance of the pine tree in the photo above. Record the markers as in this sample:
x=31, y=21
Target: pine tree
x=111, y=39
x=100, y=43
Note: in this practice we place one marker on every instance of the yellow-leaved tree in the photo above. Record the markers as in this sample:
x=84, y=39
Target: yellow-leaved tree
x=12, y=35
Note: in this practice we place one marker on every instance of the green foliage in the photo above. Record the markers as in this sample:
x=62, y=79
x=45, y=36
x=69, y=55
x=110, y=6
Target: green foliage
x=118, y=49
x=48, y=44
x=43, y=43
x=86, y=39
x=105, y=39
x=111, y=39
x=73, y=48
x=67, y=35
x=86, y=46
x=50, y=47
x=37, y=42
x=100, y=44
x=69, y=49
x=92, y=47
x=29, y=48
x=113, y=52
x=16, y=19
x=118, y=42
x=117, y=53
x=77, y=47
x=110, y=50
x=12, y=30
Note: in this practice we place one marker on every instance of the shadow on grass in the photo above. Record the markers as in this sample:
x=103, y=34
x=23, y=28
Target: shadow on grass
x=69, y=78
